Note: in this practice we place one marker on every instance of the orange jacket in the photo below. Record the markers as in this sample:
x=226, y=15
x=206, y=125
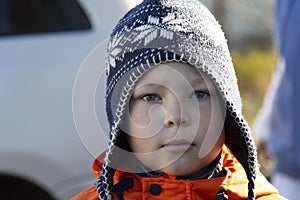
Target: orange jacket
x=166, y=187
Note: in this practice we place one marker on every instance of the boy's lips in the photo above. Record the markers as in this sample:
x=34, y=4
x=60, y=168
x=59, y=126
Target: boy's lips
x=178, y=146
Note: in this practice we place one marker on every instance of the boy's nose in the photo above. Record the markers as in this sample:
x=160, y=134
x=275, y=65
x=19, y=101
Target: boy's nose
x=175, y=115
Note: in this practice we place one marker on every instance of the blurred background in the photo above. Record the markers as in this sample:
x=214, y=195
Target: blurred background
x=42, y=46
x=248, y=27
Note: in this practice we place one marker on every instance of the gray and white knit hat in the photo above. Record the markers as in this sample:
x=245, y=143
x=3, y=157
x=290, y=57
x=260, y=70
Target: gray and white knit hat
x=159, y=31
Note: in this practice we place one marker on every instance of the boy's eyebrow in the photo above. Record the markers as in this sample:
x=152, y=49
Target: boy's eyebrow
x=194, y=82
x=148, y=86
x=154, y=85
x=198, y=81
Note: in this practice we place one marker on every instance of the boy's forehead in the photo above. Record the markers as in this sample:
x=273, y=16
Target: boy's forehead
x=174, y=72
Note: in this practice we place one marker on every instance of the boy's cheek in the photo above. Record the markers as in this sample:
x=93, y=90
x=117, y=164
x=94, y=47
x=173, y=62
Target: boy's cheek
x=140, y=119
x=145, y=120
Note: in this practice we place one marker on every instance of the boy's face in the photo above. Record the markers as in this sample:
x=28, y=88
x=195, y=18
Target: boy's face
x=175, y=120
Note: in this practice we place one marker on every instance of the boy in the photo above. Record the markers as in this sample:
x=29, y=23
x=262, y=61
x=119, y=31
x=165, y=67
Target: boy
x=174, y=109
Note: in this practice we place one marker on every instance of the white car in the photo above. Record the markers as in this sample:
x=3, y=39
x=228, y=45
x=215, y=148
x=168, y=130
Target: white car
x=42, y=45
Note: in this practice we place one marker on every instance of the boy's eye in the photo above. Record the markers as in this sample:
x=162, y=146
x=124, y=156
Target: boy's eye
x=201, y=94
x=151, y=98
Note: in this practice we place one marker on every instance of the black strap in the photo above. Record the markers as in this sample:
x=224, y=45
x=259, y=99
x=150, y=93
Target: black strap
x=123, y=185
x=221, y=195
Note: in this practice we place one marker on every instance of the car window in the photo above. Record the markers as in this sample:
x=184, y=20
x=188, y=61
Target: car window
x=37, y=16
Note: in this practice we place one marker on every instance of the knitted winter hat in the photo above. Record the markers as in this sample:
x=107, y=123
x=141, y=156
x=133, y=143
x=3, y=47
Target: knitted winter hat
x=159, y=31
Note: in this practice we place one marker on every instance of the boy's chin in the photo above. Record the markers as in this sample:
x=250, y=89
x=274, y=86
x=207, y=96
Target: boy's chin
x=186, y=163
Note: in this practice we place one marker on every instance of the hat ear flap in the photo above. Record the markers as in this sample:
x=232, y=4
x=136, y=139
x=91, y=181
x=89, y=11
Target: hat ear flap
x=235, y=140
x=239, y=141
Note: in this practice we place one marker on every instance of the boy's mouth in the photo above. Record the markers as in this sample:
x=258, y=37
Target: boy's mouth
x=178, y=146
